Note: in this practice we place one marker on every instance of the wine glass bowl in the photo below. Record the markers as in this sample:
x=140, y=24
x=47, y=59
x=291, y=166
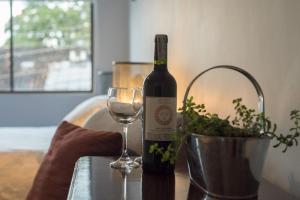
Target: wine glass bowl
x=124, y=113
x=124, y=106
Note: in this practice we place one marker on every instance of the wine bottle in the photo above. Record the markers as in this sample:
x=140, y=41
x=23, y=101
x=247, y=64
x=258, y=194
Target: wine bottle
x=158, y=187
x=159, y=116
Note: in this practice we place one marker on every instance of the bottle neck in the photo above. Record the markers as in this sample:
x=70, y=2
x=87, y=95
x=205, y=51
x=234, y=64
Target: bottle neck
x=160, y=67
x=160, y=56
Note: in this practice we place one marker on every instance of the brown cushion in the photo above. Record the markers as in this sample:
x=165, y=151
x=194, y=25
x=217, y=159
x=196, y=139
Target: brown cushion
x=69, y=143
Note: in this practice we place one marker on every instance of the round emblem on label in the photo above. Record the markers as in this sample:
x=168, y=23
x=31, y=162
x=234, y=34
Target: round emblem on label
x=163, y=115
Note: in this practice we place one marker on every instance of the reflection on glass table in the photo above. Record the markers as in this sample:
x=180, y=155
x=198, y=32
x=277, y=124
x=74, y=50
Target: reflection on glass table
x=107, y=184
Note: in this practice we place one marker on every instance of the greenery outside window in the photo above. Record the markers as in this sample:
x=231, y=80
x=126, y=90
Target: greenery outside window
x=46, y=46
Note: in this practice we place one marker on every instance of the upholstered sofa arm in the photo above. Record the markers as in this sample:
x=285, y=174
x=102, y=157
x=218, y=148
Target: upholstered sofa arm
x=84, y=110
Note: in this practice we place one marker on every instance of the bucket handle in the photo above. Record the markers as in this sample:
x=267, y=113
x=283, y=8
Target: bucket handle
x=260, y=94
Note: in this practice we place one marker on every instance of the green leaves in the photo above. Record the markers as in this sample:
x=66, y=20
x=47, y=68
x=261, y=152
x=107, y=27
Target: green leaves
x=244, y=124
x=154, y=148
x=289, y=139
x=67, y=23
x=167, y=154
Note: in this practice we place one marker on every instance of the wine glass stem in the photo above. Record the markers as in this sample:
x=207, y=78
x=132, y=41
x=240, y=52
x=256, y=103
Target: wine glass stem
x=125, y=130
x=124, y=192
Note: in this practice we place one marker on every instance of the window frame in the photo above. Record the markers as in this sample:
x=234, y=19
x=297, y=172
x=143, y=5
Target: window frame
x=11, y=59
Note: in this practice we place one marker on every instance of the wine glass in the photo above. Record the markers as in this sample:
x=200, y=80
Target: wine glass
x=124, y=106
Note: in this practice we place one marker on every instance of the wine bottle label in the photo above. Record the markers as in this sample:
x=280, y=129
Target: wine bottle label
x=160, y=118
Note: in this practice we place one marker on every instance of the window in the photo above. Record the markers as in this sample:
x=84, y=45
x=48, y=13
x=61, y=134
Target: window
x=45, y=46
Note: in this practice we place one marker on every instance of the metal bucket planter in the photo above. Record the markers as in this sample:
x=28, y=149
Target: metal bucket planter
x=227, y=167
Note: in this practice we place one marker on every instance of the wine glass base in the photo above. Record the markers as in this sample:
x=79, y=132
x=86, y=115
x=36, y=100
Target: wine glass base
x=138, y=160
x=124, y=163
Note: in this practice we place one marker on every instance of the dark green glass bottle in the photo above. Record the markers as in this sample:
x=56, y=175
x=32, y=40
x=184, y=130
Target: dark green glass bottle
x=159, y=118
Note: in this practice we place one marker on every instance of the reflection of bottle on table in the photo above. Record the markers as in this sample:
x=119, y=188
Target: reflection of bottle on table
x=158, y=187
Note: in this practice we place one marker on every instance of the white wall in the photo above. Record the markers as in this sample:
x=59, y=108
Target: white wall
x=111, y=32
x=260, y=36
x=110, y=43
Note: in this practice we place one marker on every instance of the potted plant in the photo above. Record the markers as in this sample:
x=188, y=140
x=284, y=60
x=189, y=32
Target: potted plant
x=226, y=156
